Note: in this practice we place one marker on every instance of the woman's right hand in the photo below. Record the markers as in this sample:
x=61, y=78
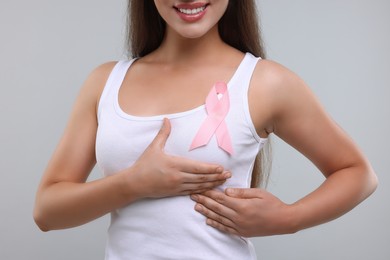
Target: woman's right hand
x=156, y=174
x=66, y=199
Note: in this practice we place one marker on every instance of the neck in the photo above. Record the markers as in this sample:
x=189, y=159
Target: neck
x=176, y=49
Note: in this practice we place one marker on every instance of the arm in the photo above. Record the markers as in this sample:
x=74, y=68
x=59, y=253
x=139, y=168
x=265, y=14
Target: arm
x=64, y=199
x=301, y=121
x=294, y=114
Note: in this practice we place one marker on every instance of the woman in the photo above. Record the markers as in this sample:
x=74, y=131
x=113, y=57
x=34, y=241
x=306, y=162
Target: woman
x=186, y=52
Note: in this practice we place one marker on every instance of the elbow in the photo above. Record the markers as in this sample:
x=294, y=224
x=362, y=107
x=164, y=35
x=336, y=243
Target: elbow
x=40, y=222
x=39, y=219
x=373, y=182
x=369, y=181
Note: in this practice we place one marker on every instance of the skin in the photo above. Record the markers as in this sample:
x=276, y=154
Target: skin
x=192, y=58
x=64, y=199
x=295, y=115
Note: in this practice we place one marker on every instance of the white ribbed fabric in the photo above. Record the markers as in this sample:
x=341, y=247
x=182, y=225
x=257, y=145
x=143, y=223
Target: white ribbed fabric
x=170, y=228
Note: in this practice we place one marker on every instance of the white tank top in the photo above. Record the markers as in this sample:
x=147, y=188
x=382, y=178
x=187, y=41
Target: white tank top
x=170, y=228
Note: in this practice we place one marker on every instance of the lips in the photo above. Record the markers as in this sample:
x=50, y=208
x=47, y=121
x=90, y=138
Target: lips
x=191, y=12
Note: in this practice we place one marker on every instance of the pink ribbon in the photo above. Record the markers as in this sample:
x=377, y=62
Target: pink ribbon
x=217, y=106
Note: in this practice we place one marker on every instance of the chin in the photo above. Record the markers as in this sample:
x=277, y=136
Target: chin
x=193, y=33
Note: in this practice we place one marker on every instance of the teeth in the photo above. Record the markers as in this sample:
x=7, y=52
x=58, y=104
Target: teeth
x=192, y=11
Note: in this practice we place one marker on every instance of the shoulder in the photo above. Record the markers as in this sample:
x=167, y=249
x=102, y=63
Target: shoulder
x=275, y=91
x=99, y=75
x=89, y=94
x=274, y=76
x=278, y=83
x=95, y=82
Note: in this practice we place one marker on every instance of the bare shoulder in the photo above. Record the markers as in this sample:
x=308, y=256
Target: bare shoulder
x=275, y=89
x=93, y=86
x=279, y=83
x=274, y=77
x=97, y=79
x=103, y=70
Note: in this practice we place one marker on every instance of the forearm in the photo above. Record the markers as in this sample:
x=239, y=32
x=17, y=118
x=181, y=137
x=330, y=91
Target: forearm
x=340, y=192
x=66, y=204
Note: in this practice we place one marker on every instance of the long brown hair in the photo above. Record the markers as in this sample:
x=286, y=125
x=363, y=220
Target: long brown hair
x=238, y=27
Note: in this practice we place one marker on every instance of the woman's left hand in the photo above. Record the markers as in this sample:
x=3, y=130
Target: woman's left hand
x=245, y=212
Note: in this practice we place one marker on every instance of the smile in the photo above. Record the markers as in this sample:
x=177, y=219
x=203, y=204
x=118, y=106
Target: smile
x=192, y=11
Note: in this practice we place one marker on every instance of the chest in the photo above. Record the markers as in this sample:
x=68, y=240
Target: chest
x=158, y=90
x=123, y=135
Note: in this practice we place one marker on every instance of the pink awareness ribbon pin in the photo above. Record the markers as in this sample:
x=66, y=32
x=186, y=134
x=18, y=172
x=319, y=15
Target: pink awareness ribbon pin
x=217, y=109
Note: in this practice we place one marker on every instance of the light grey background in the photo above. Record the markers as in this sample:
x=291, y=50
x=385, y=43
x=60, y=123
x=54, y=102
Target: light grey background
x=339, y=47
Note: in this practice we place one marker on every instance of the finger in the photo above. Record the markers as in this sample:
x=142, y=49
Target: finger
x=213, y=217
x=220, y=197
x=200, y=178
x=201, y=187
x=244, y=193
x=212, y=207
x=162, y=135
x=191, y=166
x=191, y=192
x=222, y=227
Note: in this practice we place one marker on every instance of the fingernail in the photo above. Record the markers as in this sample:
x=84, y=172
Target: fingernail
x=165, y=122
x=228, y=175
x=230, y=191
x=194, y=197
x=219, y=170
x=198, y=207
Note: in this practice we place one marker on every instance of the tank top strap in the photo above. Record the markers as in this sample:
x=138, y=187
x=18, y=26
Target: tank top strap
x=113, y=84
x=238, y=90
x=240, y=81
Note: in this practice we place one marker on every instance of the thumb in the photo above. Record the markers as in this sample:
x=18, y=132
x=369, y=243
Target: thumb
x=162, y=135
x=243, y=193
